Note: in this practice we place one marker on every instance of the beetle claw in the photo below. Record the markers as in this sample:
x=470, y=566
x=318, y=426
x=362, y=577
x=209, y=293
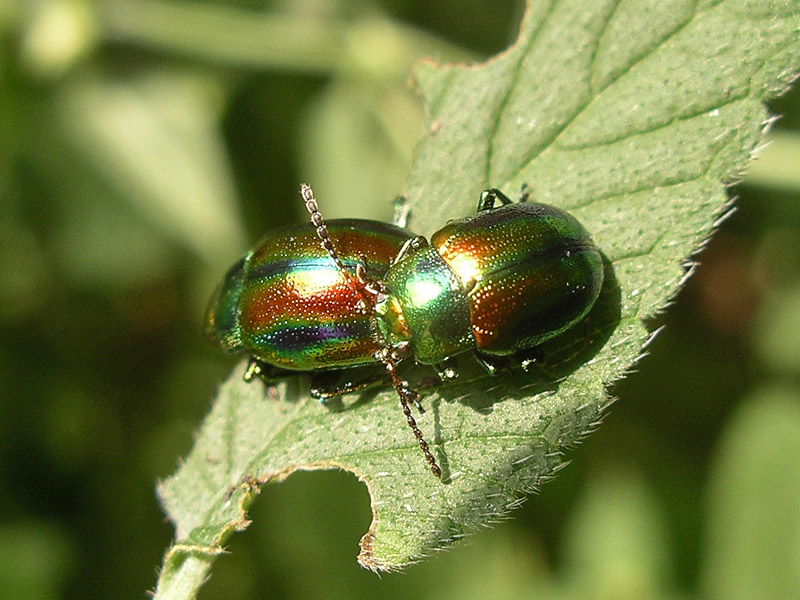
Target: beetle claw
x=253, y=370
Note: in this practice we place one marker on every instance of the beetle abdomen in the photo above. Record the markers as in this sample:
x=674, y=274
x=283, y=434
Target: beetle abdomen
x=532, y=271
x=296, y=310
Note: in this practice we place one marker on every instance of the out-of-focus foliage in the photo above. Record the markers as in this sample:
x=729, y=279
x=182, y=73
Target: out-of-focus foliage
x=144, y=145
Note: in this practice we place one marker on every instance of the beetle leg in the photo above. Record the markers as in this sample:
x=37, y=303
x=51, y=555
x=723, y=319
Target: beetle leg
x=401, y=210
x=253, y=369
x=264, y=371
x=532, y=359
x=361, y=268
x=446, y=371
x=331, y=384
x=489, y=197
x=325, y=384
x=495, y=365
x=525, y=193
x=410, y=246
x=373, y=286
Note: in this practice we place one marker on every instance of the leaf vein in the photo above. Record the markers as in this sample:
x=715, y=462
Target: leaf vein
x=512, y=84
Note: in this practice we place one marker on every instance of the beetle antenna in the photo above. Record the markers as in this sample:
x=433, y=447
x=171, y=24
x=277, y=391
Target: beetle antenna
x=322, y=230
x=407, y=396
x=386, y=356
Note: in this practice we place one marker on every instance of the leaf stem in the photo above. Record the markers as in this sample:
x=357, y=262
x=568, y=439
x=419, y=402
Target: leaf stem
x=185, y=569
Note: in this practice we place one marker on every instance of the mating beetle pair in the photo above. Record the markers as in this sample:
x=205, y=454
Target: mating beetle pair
x=348, y=299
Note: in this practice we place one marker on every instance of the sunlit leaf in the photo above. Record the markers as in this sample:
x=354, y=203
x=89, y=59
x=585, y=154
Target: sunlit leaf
x=630, y=114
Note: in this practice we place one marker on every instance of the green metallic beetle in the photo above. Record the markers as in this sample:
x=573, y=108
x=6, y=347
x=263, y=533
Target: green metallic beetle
x=347, y=300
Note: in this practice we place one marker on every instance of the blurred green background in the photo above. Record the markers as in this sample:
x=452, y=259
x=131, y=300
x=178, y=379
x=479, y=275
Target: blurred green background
x=144, y=145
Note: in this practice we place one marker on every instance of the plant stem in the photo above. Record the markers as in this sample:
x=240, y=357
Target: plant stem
x=183, y=572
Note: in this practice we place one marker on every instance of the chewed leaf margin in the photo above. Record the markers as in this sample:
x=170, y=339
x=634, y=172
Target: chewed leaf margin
x=632, y=116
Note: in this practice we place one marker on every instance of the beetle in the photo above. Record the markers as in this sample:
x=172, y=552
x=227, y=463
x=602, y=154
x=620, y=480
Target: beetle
x=347, y=300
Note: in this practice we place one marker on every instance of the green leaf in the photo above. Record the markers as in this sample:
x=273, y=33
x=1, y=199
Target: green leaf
x=155, y=142
x=616, y=542
x=777, y=330
x=754, y=513
x=631, y=115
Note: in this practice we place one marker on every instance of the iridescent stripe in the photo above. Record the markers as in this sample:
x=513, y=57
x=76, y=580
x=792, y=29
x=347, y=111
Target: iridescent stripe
x=532, y=271
x=297, y=310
